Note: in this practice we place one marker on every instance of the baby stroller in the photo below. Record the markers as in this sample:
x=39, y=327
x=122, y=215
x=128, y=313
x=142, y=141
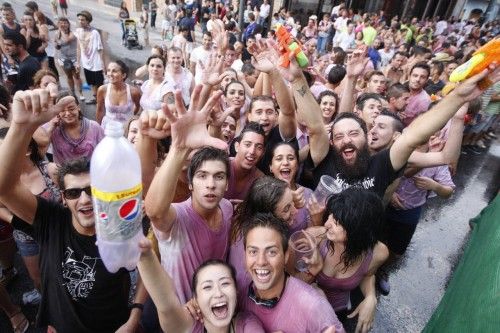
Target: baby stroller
x=131, y=35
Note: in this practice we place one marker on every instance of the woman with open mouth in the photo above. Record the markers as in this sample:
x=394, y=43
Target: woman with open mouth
x=285, y=166
x=214, y=290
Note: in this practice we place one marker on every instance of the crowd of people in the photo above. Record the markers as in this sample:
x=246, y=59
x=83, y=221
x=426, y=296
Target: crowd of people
x=233, y=137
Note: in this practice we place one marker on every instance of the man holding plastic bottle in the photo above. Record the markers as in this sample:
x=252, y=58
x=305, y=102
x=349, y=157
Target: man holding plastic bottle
x=78, y=293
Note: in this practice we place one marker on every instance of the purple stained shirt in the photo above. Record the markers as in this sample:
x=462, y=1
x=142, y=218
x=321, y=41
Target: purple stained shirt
x=300, y=309
x=417, y=104
x=302, y=218
x=65, y=148
x=411, y=196
x=190, y=243
x=232, y=192
x=245, y=322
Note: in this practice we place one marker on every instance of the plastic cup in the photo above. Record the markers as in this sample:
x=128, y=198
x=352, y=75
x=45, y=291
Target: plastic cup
x=327, y=186
x=302, y=249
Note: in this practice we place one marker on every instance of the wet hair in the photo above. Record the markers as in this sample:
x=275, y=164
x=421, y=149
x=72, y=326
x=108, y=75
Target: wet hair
x=212, y=262
x=397, y=123
x=399, y=53
x=363, y=98
x=40, y=74
x=261, y=98
x=174, y=49
x=230, y=83
x=360, y=213
x=262, y=197
x=72, y=167
x=397, y=90
x=207, y=154
x=123, y=67
x=16, y=37
x=422, y=65
x=371, y=74
x=35, y=156
x=332, y=94
x=340, y=55
x=5, y=99
x=248, y=69
x=336, y=74
x=252, y=127
x=269, y=221
x=350, y=115
x=155, y=56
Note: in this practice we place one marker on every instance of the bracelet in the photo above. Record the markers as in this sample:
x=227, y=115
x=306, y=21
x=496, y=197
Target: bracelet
x=136, y=306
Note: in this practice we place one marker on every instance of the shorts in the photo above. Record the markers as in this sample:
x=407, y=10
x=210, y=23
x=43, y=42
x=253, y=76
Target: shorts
x=27, y=246
x=165, y=25
x=401, y=225
x=94, y=78
x=60, y=62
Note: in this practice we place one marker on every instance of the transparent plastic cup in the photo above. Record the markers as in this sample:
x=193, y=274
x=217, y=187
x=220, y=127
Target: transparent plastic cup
x=327, y=186
x=302, y=248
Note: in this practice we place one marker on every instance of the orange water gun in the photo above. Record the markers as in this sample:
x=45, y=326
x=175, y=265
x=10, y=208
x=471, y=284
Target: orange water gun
x=287, y=44
x=481, y=59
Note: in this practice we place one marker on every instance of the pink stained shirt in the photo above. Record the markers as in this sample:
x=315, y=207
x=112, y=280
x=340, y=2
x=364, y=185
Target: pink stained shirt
x=190, y=243
x=231, y=192
x=300, y=309
x=417, y=104
x=245, y=322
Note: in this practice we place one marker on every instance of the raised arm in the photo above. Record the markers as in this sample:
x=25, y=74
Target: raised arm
x=355, y=66
x=428, y=123
x=99, y=111
x=171, y=313
x=189, y=131
x=265, y=60
x=451, y=150
x=30, y=109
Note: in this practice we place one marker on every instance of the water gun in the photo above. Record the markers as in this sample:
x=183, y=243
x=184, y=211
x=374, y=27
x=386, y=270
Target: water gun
x=480, y=60
x=288, y=44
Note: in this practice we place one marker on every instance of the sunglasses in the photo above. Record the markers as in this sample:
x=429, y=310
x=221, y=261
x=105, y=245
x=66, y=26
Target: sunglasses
x=75, y=193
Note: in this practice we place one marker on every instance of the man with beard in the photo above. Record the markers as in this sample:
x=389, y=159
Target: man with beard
x=348, y=159
x=419, y=99
x=14, y=44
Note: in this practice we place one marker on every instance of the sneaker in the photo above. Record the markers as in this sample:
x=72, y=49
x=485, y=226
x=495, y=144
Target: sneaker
x=7, y=275
x=32, y=297
x=491, y=135
x=475, y=150
x=82, y=98
x=91, y=102
x=481, y=144
x=382, y=282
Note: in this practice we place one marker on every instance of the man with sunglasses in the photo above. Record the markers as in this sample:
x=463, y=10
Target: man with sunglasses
x=78, y=293
x=281, y=302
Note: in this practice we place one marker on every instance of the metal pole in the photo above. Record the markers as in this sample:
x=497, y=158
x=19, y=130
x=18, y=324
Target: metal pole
x=436, y=11
x=427, y=8
x=240, y=16
x=405, y=10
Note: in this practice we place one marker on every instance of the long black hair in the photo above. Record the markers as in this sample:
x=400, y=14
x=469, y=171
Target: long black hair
x=360, y=212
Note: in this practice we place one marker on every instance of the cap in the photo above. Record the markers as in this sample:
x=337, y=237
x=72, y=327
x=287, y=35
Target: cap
x=442, y=56
x=86, y=14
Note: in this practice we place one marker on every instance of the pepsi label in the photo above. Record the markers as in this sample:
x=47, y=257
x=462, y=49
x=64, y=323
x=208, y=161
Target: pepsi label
x=118, y=214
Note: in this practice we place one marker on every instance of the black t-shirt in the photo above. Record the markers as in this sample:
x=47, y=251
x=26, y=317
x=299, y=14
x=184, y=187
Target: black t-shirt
x=379, y=176
x=273, y=138
x=78, y=293
x=27, y=69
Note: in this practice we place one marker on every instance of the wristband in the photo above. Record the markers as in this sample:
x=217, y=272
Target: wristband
x=136, y=306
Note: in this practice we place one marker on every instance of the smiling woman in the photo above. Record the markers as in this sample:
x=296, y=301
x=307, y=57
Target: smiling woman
x=71, y=134
x=214, y=290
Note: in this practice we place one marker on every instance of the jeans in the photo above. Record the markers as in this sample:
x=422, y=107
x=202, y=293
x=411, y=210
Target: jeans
x=321, y=45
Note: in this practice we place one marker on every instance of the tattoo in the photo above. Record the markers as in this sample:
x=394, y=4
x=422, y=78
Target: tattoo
x=302, y=91
x=170, y=98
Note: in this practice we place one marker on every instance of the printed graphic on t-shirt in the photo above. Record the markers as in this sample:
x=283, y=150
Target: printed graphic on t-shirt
x=78, y=276
x=366, y=183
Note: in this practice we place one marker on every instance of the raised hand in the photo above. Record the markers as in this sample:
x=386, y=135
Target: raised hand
x=217, y=116
x=471, y=88
x=36, y=107
x=299, y=200
x=262, y=56
x=212, y=69
x=153, y=123
x=356, y=63
x=189, y=127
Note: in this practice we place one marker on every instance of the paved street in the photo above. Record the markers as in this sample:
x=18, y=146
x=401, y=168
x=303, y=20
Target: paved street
x=419, y=280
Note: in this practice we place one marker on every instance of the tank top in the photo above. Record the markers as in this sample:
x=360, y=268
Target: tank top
x=120, y=113
x=6, y=29
x=51, y=191
x=35, y=43
x=337, y=290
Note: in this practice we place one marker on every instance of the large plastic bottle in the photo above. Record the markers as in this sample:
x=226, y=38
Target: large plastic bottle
x=115, y=173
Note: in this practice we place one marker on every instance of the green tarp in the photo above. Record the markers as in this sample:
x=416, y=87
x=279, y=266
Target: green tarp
x=471, y=302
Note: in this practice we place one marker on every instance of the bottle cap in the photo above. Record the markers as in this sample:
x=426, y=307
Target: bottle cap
x=113, y=129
